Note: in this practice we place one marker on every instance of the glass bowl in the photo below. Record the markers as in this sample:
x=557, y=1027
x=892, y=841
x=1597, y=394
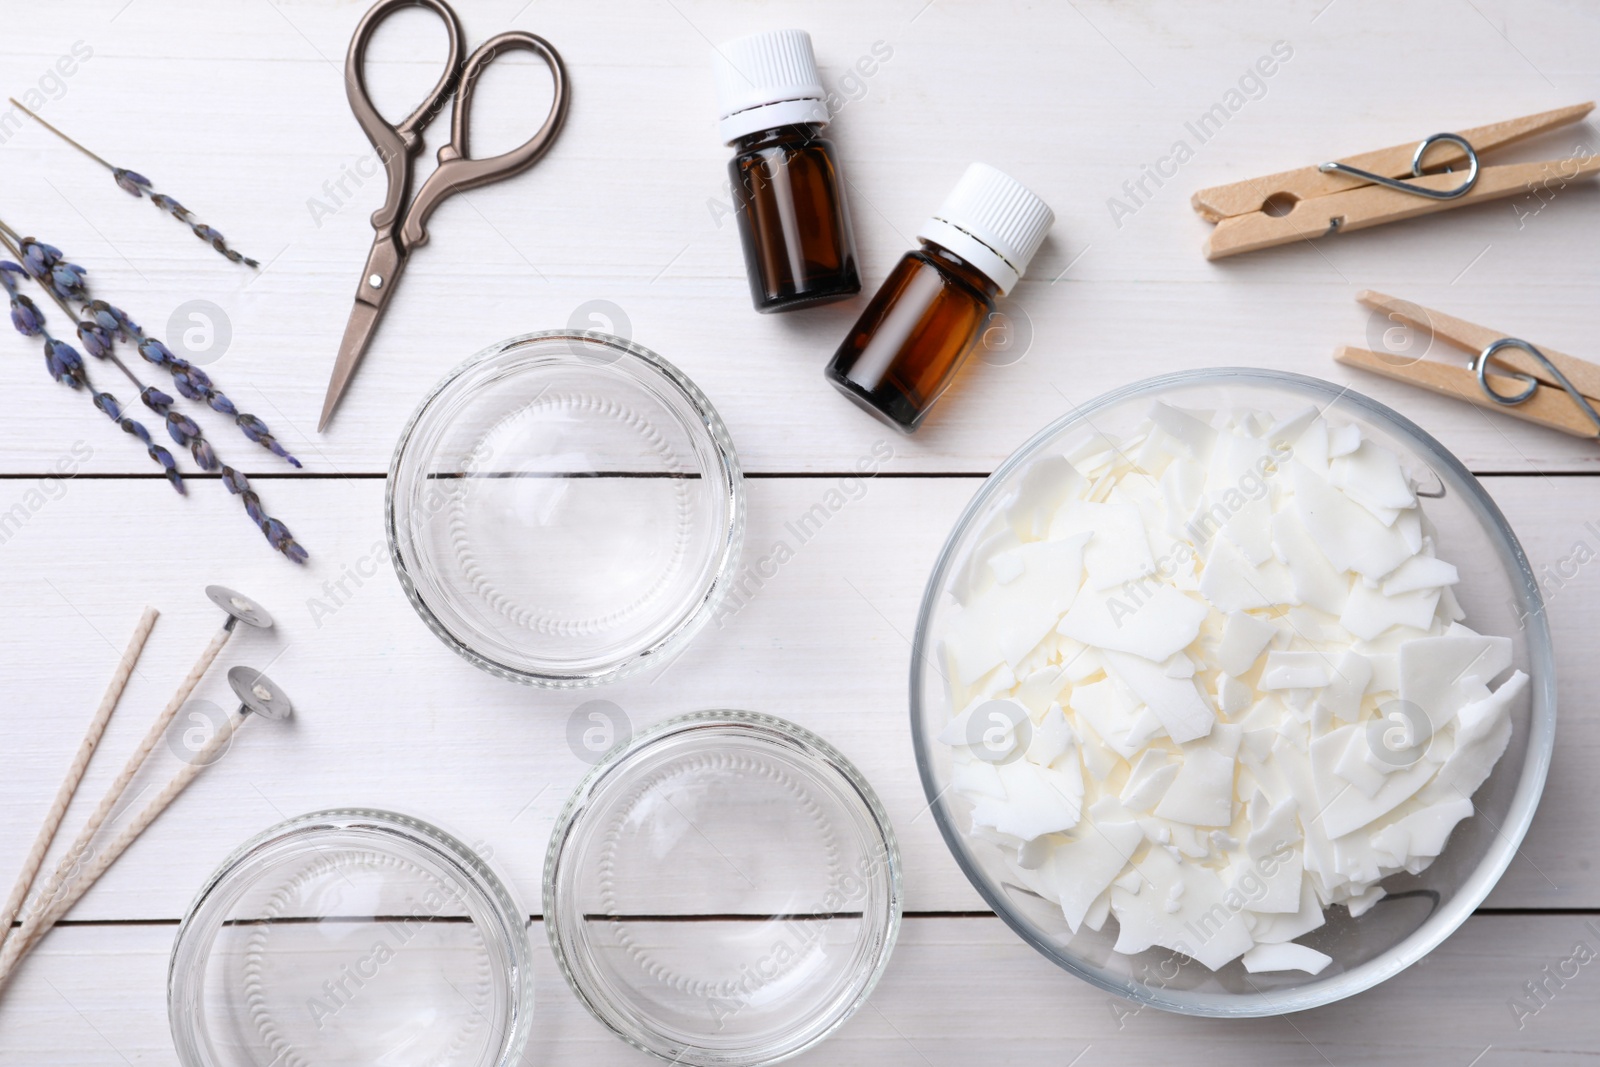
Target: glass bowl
x=351, y=936
x=565, y=508
x=723, y=889
x=1500, y=596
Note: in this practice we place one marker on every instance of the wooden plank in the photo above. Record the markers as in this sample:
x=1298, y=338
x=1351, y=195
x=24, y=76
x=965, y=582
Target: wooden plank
x=958, y=991
x=388, y=716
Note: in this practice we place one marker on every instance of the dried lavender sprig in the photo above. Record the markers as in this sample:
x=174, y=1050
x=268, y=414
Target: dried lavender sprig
x=97, y=337
x=276, y=533
x=68, y=281
x=66, y=367
x=192, y=382
x=169, y=466
x=136, y=184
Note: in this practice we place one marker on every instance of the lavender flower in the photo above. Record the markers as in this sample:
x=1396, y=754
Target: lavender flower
x=68, y=280
x=25, y=316
x=169, y=466
x=66, y=366
x=45, y=265
x=139, y=185
x=181, y=428
x=129, y=181
x=190, y=381
x=64, y=363
x=104, y=322
x=112, y=319
x=96, y=339
x=38, y=258
x=276, y=533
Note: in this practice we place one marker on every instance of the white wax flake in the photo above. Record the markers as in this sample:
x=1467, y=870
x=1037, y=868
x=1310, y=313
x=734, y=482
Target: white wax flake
x=1348, y=534
x=977, y=778
x=1248, y=691
x=1056, y=566
x=1006, y=567
x=1349, y=810
x=1203, y=926
x=1098, y=912
x=989, y=724
x=1357, y=764
x=1118, y=550
x=1343, y=440
x=1100, y=761
x=1371, y=476
x=1244, y=637
x=1250, y=530
x=1202, y=792
x=1195, y=436
x=1040, y=689
x=1316, y=581
x=1341, y=697
x=1466, y=768
x=1311, y=448
x=1232, y=583
x=1182, y=484
x=1081, y=869
x=1047, y=484
x=1440, y=674
x=1285, y=957
x=973, y=575
x=1296, y=670
x=1233, y=696
x=1052, y=738
x=1422, y=833
x=1113, y=712
x=1420, y=572
x=1278, y=929
x=1369, y=612
x=1283, y=433
x=1177, y=703
x=1269, y=882
x=1039, y=800
x=1145, y=618
x=1149, y=780
x=1362, y=902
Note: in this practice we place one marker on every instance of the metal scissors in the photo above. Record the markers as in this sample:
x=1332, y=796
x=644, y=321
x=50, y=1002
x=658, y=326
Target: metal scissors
x=401, y=227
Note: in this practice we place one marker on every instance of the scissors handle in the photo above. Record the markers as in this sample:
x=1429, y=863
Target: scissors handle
x=396, y=143
x=457, y=171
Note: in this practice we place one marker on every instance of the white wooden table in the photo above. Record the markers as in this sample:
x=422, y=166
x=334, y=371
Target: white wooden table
x=238, y=109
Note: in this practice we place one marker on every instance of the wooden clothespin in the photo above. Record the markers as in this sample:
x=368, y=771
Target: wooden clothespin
x=1542, y=386
x=1387, y=185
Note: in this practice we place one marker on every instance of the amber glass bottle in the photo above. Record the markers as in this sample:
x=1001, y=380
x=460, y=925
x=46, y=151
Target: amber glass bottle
x=930, y=312
x=793, y=223
x=784, y=177
x=921, y=326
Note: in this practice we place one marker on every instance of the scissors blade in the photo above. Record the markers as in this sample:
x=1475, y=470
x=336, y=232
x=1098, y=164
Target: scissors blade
x=385, y=264
x=357, y=336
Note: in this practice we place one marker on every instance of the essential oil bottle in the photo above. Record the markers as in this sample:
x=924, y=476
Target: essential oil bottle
x=798, y=248
x=932, y=309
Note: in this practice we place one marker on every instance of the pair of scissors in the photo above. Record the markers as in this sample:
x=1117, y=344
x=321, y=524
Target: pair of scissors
x=400, y=227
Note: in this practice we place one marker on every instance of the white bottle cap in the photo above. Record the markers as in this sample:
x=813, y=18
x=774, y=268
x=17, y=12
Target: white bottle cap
x=992, y=221
x=766, y=80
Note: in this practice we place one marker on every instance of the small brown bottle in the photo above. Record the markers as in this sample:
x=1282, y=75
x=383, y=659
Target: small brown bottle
x=930, y=312
x=793, y=224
